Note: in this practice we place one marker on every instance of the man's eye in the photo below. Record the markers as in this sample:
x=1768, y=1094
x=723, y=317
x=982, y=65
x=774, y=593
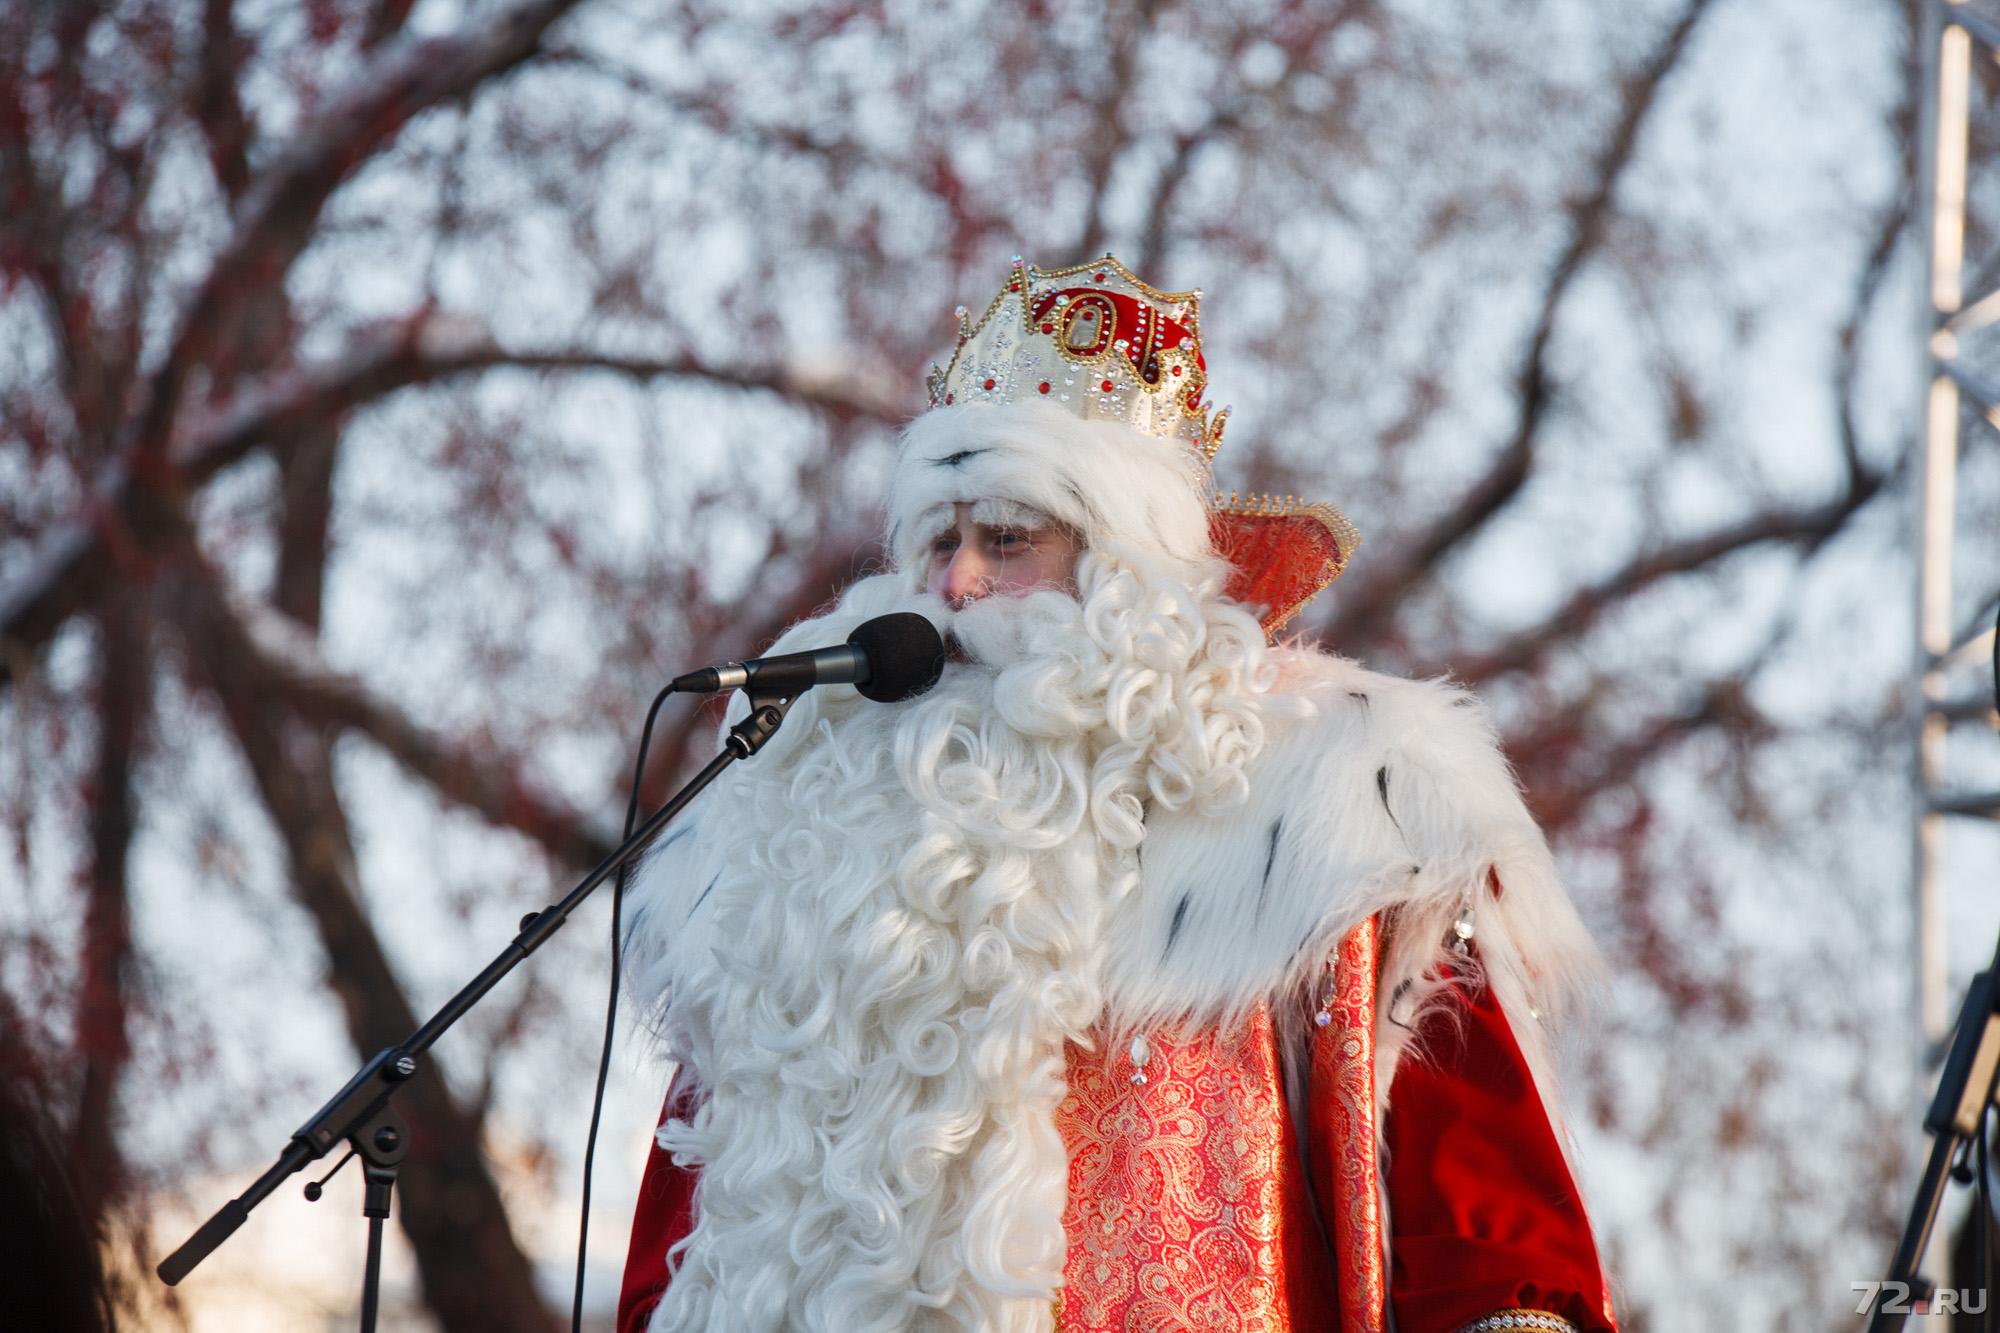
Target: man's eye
x=944, y=545
x=1010, y=541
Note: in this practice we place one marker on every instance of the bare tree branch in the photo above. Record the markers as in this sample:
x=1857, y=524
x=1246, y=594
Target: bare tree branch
x=1847, y=361
x=138, y=492
x=385, y=19
x=1300, y=41
x=842, y=154
x=218, y=109
x=1108, y=144
x=68, y=563
x=35, y=226
x=1558, y=801
x=276, y=216
x=63, y=571
x=305, y=522
x=1366, y=609
x=928, y=172
x=103, y=1042
x=1808, y=526
x=426, y=352
x=280, y=657
x=1153, y=233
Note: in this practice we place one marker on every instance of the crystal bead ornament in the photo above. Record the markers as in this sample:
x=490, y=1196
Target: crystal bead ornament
x=1462, y=929
x=1141, y=1052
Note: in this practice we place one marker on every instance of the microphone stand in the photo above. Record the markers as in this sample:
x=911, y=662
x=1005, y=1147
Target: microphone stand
x=363, y=1113
x=1956, y=1118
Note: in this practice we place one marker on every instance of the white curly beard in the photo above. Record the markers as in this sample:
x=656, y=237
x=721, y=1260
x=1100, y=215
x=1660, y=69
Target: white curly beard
x=902, y=931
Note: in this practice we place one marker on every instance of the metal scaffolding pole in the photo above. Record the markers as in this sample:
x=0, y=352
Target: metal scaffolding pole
x=1957, y=391
x=1950, y=692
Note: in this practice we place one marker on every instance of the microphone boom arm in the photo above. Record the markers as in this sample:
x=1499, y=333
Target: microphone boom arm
x=360, y=1112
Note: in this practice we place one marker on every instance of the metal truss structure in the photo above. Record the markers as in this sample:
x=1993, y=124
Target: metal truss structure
x=1955, y=690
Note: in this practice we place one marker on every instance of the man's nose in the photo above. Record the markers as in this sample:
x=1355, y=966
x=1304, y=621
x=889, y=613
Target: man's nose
x=966, y=578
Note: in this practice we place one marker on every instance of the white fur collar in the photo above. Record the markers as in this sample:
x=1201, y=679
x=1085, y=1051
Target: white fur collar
x=1393, y=796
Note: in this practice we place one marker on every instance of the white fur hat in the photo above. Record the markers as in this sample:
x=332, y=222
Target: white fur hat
x=1113, y=484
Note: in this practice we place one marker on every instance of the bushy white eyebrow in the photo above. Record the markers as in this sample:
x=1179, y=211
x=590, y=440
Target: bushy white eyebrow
x=930, y=524
x=995, y=512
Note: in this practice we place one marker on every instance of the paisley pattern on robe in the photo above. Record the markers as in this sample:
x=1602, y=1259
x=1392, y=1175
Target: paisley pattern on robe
x=1189, y=1206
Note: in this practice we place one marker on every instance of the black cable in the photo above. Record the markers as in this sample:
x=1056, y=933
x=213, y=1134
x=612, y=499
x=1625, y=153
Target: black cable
x=1985, y=1205
x=610, y=1007
x=1985, y=1219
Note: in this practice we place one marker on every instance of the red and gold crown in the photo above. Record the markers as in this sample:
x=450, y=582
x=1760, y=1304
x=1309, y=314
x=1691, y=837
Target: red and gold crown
x=1096, y=340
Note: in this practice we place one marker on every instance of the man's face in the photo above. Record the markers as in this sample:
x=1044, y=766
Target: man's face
x=971, y=559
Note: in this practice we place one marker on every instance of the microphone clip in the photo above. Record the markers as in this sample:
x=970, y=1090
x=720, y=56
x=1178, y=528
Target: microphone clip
x=767, y=713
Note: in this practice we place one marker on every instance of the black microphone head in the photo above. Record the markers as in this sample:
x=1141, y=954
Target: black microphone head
x=905, y=656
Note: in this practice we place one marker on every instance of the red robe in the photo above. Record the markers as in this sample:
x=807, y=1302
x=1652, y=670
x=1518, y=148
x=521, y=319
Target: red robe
x=1196, y=1202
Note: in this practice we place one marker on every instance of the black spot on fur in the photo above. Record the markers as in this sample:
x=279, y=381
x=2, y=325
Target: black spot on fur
x=704, y=895
x=1382, y=790
x=958, y=459
x=1270, y=859
x=1359, y=698
x=1174, y=928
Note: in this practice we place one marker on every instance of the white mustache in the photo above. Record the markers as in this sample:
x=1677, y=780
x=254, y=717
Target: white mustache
x=999, y=631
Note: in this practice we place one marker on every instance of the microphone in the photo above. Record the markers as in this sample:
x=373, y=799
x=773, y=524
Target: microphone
x=888, y=659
